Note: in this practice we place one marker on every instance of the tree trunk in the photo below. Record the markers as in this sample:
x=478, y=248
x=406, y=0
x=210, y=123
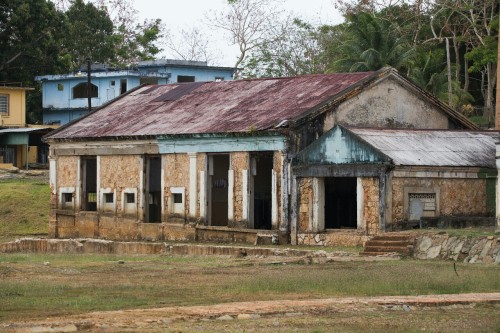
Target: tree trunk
x=466, y=75
x=456, y=48
x=448, y=62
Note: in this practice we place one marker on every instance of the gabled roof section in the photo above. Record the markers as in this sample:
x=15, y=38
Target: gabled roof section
x=241, y=106
x=451, y=148
x=340, y=146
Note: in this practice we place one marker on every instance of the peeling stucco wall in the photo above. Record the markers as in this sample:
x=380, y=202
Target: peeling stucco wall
x=118, y=172
x=67, y=171
x=239, y=161
x=371, y=202
x=278, y=167
x=457, y=197
x=305, y=203
x=176, y=174
x=387, y=104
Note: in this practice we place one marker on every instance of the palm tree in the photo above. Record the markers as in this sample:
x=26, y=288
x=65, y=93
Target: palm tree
x=370, y=44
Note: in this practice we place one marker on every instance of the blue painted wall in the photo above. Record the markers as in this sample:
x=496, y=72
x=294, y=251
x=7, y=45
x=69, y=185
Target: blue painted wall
x=339, y=146
x=60, y=106
x=220, y=144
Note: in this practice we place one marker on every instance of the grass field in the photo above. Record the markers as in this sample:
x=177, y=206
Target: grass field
x=24, y=208
x=70, y=284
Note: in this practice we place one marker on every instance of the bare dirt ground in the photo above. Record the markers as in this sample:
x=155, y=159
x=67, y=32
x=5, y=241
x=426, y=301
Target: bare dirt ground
x=199, y=318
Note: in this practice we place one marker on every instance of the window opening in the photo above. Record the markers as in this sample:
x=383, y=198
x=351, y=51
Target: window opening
x=4, y=104
x=262, y=190
x=109, y=197
x=67, y=197
x=177, y=198
x=153, y=189
x=123, y=86
x=80, y=90
x=219, y=79
x=89, y=183
x=219, y=190
x=185, y=78
x=130, y=198
x=422, y=205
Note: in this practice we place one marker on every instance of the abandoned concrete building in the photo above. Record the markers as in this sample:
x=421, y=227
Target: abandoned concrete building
x=315, y=159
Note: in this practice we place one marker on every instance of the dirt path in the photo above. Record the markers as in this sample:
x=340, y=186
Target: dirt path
x=158, y=318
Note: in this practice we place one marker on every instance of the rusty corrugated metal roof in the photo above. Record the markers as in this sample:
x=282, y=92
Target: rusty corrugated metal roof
x=433, y=147
x=241, y=106
x=210, y=107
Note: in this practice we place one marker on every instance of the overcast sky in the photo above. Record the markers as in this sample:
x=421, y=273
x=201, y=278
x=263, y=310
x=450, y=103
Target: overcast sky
x=183, y=14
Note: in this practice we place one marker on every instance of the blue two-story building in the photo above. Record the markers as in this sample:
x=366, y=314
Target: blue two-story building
x=65, y=96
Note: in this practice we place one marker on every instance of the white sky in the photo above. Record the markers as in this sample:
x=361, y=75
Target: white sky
x=184, y=14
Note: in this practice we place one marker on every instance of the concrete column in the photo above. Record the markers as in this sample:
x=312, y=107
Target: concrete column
x=230, y=195
x=382, y=201
x=163, y=206
x=245, y=193
x=53, y=175
x=203, y=195
x=193, y=191
x=360, y=204
x=274, y=200
x=294, y=211
x=285, y=190
x=78, y=186
x=141, y=194
x=318, y=209
x=98, y=187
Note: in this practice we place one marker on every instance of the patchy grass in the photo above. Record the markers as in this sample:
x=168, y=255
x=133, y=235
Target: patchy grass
x=73, y=284
x=24, y=208
x=480, y=318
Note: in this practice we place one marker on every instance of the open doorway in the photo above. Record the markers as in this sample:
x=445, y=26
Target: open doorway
x=153, y=189
x=89, y=183
x=218, y=185
x=262, y=166
x=340, y=203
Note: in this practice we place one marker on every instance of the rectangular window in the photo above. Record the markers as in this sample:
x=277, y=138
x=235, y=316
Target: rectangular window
x=177, y=198
x=185, y=78
x=60, y=86
x=112, y=83
x=130, y=198
x=4, y=104
x=67, y=197
x=108, y=197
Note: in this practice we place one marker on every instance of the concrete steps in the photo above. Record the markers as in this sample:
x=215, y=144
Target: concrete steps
x=389, y=243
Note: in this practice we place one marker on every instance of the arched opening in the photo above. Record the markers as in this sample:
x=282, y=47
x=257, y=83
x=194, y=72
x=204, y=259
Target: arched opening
x=80, y=90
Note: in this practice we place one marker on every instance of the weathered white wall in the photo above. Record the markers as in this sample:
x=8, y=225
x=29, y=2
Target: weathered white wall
x=387, y=104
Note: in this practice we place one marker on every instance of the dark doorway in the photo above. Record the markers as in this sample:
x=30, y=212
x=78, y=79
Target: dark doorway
x=262, y=189
x=340, y=203
x=219, y=192
x=123, y=86
x=153, y=189
x=89, y=183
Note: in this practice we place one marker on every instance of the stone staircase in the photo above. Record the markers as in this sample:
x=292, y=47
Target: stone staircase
x=401, y=243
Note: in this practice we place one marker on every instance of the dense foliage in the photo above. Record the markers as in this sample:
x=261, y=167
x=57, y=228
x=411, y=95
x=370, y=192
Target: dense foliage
x=36, y=38
x=448, y=47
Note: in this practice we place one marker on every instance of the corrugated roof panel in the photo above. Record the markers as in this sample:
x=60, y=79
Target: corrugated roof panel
x=433, y=147
x=211, y=107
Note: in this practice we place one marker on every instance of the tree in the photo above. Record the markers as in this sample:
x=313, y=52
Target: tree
x=370, y=44
x=249, y=24
x=299, y=48
x=192, y=44
x=90, y=34
x=30, y=37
